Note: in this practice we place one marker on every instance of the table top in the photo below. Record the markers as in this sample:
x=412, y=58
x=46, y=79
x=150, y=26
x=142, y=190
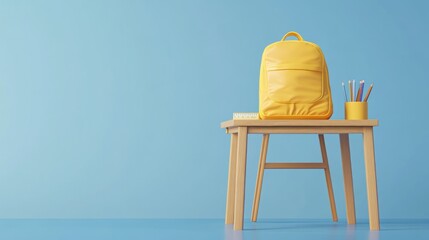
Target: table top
x=299, y=123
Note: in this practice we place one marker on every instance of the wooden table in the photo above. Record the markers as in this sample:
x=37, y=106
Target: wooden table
x=239, y=129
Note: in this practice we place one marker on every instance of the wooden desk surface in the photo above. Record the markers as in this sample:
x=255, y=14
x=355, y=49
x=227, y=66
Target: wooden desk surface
x=299, y=123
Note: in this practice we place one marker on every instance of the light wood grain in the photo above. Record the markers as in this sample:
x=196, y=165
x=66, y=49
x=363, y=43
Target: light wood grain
x=240, y=180
x=328, y=178
x=348, y=178
x=303, y=130
x=232, y=130
x=342, y=127
x=371, y=179
x=296, y=123
x=298, y=165
x=260, y=176
x=230, y=196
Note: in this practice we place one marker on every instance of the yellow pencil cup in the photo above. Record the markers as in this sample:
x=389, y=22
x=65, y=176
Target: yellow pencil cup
x=356, y=110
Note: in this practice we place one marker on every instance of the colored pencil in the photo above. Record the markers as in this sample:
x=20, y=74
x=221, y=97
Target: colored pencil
x=351, y=90
x=354, y=90
x=369, y=92
x=361, y=92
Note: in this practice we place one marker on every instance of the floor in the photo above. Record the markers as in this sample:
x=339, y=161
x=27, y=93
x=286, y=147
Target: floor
x=207, y=229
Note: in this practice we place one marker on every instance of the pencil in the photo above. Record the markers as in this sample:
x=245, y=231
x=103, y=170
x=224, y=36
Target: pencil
x=351, y=90
x=357, y=94
x=354, y=90
x=369, y=92
x=345, y=92
x=361, y=92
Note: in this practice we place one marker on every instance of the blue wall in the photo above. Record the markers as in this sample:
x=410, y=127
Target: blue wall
x=112, y=108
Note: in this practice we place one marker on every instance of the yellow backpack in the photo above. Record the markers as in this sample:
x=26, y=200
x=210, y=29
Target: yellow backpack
x=294, y=81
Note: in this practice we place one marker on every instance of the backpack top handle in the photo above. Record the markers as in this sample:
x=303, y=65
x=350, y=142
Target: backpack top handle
x=294, y=34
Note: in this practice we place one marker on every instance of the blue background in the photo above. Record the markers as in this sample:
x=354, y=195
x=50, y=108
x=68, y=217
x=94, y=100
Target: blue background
x=111, y=109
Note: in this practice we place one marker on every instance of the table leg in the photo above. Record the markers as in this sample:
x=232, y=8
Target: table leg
x=371, y=178
x=328, y=178
x=240, y=180
x=348, y=178
x=260, y=176
x=230, y=195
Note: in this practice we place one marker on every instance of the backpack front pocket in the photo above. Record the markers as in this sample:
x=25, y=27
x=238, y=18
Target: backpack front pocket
x=294, y=85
